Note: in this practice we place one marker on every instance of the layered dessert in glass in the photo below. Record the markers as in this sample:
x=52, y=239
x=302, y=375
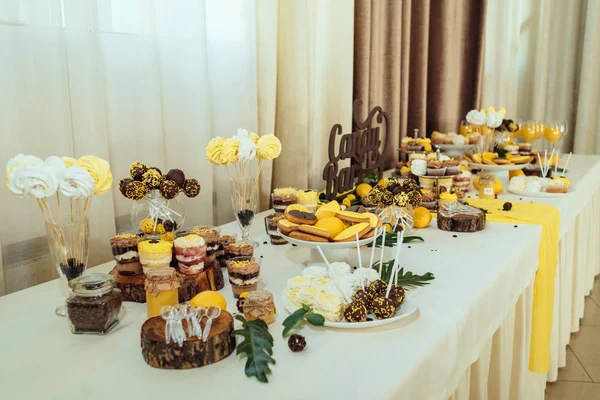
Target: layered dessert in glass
x=155, y=254
x=125, y=251
x=211, y=237
x=243, y=274
x=283, y=197
x=190, y=252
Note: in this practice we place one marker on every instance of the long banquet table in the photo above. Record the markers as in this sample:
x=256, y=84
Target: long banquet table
x=470, y=340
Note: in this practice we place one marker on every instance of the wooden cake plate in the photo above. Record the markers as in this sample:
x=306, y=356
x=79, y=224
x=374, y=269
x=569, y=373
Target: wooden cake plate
x=132, y=286
x=194, y=353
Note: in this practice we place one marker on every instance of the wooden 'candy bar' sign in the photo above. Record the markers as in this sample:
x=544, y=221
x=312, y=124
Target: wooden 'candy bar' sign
x=362, y=147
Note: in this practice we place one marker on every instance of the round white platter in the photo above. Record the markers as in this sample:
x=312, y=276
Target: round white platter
x=406, y=310
x=537, y=194
x=454, y=147
x=497, y=168
x=326, y=245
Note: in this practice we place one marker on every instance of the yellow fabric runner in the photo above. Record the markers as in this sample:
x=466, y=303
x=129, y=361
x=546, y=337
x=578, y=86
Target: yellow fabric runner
x=548, y=218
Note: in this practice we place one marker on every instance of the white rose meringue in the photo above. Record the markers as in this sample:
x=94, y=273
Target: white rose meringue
x=471, y=116
x=58, y=165
x=321, y=284
x=77, y=183
x=480, y=118
x=315, y=271
x=298, y=282
x=307, y=296
x=369, y=274
x=37, y=180
x=329, y=306
x=419, y=167
x=17, y=160
x=342, y=288
x=493, y=119
x=247, y=148
x=338, y=269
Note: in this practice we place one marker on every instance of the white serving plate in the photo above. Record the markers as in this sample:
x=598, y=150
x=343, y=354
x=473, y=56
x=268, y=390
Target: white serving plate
x=406, y=309
x=497, y=168
x=326, y=245
x=538, y=194
x=454, y=147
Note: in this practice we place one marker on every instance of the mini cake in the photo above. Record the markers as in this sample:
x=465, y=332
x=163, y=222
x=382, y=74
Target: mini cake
x=462, y=181
x=283, y=197
x=365, y=296
x=450, y=138
x=428, y=199
x=404, y=143
x=243, y=274
x=404, y=170
x=377, y=288
x=436, y=168
x=556, y=185
x=414, y=145
x=237, y=249
x=447, y=197
x=155, y=254
x=458, y=140
x=211, y=237
x=224, y=240
x=308, y=198
x=452, y=167
x=512, y=149
x=259, y=304
x=271, y=228
x=427, y=183
x=438, y=138
x=190, y=252
x=125, y=251
x=525, y=149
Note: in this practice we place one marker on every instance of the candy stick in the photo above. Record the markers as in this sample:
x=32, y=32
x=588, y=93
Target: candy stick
x=373, y=249
x=567, y=164
x=382, y=248
x=545, y=161
x=324, y=259
x=556, y=165
x=540, y=161
x=549, y=161
x=362, y=281
x=345, y=298
x=399, y=239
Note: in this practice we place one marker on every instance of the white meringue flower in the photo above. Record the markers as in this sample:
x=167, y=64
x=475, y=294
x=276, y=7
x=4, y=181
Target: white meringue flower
x=18, y=160
x=471, y=115
x=480, y=118
x=369, y=274
x=77, y=183
x=247, y=148
x=58, y=165
x=37, y=180
x=338, y=269
x=493, y=119
x=315, y=271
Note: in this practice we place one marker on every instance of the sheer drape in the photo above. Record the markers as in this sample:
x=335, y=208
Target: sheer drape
x=541, y=64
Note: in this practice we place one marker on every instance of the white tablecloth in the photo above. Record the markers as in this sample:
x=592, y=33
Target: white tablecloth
x=471, y=337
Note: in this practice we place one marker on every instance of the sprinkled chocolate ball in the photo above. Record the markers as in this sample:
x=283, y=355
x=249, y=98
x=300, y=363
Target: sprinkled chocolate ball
x=383, y=308
x=363, y=296
x=176, y=175
x=135, y=190
x=169, y=226
x=160, y=229
x=377, y=288
x=157, y=170
x=409, y=185
x=169, y=189
x=355, y=312
x=296, y=343
x=397, y=295
x=152, y=178
x=137, y=170
x=123, y=184
x=191, y=188
x=507, y=206
x=240, y=304
x=147, y=225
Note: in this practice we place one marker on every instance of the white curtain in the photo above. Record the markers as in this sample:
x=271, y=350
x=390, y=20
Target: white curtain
x=541, y=60
x=154, y=81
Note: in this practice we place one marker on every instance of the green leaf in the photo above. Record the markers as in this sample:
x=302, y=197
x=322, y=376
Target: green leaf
x=315, y=319
x=405, y=279
x=290, y=322
x=408, y=239
x=257, y=344
x=305, y=307
x=392, y=238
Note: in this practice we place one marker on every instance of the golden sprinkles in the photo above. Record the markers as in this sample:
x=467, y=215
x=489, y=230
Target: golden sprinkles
x=383, y=308
x=355, y=312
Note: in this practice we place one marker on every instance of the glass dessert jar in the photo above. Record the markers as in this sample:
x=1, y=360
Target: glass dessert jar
x=487, y=184
x=94, y=305
x=162, y=289
x=243, y=274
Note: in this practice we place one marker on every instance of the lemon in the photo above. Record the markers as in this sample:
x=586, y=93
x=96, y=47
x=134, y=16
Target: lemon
x=422, y=217
x=209, y=298
x=383, y=182
x=333, y=225
x=296, y=207
x=388, y=227
x=328, y=210
x=517, y=172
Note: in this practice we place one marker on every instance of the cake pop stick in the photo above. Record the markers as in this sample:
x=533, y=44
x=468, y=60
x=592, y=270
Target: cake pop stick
x=399, y=239
x=556, y=165
x=382, y=248
x=324, y=258
x=373, y=249
x=362, y=281
x=567, y=164
x=545, y=160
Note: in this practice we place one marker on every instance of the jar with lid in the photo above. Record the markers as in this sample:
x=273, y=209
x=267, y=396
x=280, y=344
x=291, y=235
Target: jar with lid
x=162, y=289
x=94, y=305
x=487, y=185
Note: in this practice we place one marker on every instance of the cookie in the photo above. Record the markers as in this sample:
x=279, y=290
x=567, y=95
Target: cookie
x=313, y=230
x=368, y=235
x=307, y=237
x=357, y=209
x=297, y=207
x=374, y=220
x=350, y=216
x=300, y=217
x=349, y=234
x=502, y=161
x=286, y=226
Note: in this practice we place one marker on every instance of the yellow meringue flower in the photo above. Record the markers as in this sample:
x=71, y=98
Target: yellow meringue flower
x=255, y=138
x=99, y=169
x=268, y=147
x=214, y=151
x=484, y=111
x=491, y=110
x=69, y=161
x=230, y=150
x=427, y=147
x=502, y=111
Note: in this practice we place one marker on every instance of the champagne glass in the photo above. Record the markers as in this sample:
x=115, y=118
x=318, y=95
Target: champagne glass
x=244, y=199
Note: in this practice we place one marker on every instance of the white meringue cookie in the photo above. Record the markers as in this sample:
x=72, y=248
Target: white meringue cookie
x=369, y=274
x=418, y=167
x=458, y=140
x=338, y=269
x=247, y=148
x=37, y=180
x=17, y=160
x=471, y=116
x=315, y=271
x=58, y=165
x=77, y=183
x=480, y=118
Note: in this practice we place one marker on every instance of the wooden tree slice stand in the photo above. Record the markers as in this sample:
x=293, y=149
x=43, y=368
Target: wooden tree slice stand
x=461, y=222
x=194, y=353
x=132, y=286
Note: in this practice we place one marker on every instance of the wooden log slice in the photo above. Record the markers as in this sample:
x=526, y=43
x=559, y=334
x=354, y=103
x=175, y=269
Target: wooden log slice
x=131, y=286
x=461, y=218
x=194, y=353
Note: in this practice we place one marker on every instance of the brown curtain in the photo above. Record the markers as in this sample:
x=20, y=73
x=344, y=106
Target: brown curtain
x=421, y=61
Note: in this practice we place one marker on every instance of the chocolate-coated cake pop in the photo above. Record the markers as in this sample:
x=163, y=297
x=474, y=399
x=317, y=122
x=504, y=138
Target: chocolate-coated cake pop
x=169, y=189
x=355, y=311
x=135, y=190
x=176, y=175
x=123, y=184
x=152, y=178
x=383, y=308
x=364, y=296
x=137, y=170
x=191, y=188
x=397, y=295
x=377, y=288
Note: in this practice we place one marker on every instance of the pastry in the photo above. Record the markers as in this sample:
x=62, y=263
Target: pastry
x=307, y=237
x=418, y=167
x=462, y=181
x=243, y=274
x=329, y=306
x=404, y=143
x=438, y=137
x=155, y=254
x=349, y=234
x=300, y=217
x=259, y=304
x=271, y=228
x=436, y=168
x=224, y=240
x=125, y=252
x=525, y=149
x=190, y=252
x=328, y=210
x=314, y=230
x=555, y=185
x=282, y=198
x=308, y=198
x=414, y=145
x=452, y=167
x=428, y=200
x=383, y=308
x=286, y=226
x=211, y=237
x=354, y=217
x=447, y=197
x=177, y=176
x=355, y=312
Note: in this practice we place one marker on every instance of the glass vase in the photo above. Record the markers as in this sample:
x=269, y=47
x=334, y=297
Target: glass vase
x=68, y=240
x=154, y=215
x=244, y=199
